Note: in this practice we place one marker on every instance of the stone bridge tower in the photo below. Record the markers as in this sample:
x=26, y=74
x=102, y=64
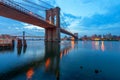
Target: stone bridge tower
x=53, y=17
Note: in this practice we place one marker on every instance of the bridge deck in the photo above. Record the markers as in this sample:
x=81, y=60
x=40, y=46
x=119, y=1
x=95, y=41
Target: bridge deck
x=27, y=17
x=13, y=13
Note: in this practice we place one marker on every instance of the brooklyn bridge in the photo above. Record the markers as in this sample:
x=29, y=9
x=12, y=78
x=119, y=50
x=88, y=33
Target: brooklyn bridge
x=51, y=21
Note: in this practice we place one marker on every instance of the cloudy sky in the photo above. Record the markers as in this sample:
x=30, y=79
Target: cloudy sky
x=87, y=17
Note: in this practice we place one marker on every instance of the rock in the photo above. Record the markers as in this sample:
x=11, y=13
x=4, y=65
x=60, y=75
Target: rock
x=81, y=67
x=96, y=71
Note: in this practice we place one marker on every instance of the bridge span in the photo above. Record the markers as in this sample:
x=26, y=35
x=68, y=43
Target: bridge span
x=52, y=28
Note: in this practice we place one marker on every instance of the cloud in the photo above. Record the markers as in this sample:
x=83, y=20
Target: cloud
x=108, y=22
x=111, y=17
x=71, y=16
x=70, y=21
x=98, y=23
x=29, y=26
x=32, y=29
x=9, y=26
x=15, y=27
x=50, y=2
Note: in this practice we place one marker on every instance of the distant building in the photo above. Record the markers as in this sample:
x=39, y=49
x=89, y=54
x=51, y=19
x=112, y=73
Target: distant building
x=99, y=37
x=5, y=40
x=5, y=36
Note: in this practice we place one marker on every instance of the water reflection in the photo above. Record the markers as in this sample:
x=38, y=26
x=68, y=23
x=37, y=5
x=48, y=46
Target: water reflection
x=30, y=73
x=24, y=49
x=95, y=45
x=6, y=49
x=64, y=51
x=98, y=45
x=51, y=61
x=72, y=44
x=52, y=58
x=47, y=63
x=19, y=49
x=21, y=46
x=102, y=46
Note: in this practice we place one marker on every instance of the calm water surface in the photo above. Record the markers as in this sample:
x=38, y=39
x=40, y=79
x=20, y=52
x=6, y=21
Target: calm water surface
x=68, y=60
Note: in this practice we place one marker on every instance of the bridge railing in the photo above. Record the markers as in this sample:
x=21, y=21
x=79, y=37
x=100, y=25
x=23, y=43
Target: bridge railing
x=20, y=8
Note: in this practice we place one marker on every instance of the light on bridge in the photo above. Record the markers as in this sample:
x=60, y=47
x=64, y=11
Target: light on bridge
x=49, y=22
x=72, y=38
x=30, y=13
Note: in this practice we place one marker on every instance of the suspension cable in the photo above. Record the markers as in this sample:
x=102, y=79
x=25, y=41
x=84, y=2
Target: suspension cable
x=36, y=4
x=29, y=6
x=46, y=3
x=62, y=15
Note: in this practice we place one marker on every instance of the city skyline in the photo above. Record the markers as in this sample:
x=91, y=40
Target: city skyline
x=87, y=17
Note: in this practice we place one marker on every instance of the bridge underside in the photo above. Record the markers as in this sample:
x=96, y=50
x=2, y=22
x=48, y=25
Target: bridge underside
x=69, y=33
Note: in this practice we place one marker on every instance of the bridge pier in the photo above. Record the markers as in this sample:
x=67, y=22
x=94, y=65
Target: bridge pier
x=52, y=34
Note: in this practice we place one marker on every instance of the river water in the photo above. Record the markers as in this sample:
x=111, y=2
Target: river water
x=68, y=60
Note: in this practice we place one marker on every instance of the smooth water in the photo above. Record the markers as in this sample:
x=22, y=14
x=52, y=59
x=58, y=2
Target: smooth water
x=68, y=60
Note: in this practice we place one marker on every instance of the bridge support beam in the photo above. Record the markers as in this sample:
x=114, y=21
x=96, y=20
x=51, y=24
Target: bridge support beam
x=53, y=17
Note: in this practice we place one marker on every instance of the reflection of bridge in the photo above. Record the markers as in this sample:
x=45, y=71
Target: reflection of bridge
x=10, y=9
x=51, y=62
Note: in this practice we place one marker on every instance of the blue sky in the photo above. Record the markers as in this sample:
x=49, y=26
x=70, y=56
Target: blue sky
x=87, y=17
